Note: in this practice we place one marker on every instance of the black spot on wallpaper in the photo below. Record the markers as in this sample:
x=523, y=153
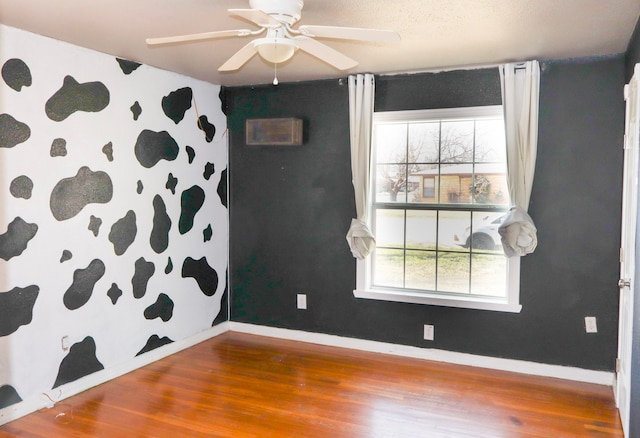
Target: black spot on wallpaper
x=21, y=187
x=152, y=147
x=107, y=150
x=72, y=96
x=94, y=225
x=225, y=106
x=127, y=66
x=84, y=280
x=16, y=74
x=16, y=308
x=209, y=169
x=223, y=315
x=15, y=240
x=123, y=232
x=139, y=187
x=207, y=233
x=162, y=308
x=190, y=203
x=136, y=110
x=222, y=188
x=12, y=131
x=66, y=256
x=154, y=342
x=208, y=128
x=177, y=103
x=202, y=273
x=71, y=195
x=169, y=267
x=161, y=226
x=191, y=154
x=114, y=293
x=79, y=362
x=144, y=270
x=8, y=396
x=171, y=184
x=58, y=148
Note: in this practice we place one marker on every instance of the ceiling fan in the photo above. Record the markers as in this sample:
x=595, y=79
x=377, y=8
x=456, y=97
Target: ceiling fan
x=279, y=40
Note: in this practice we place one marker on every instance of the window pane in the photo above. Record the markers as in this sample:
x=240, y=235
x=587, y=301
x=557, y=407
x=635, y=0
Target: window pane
x=453, y=230
x=485, y=237
x=388, y=267
x=389, y=228
x=391, y=143
x=424, y=139
x=423, y=183
x=488, y=275
x=421, y=270
x=453, y=272
x=490, y=143
x=391, y=183
x=492, y=188
x=456, y=142
x=421, y=229
x=490, y=184
x=455, y=183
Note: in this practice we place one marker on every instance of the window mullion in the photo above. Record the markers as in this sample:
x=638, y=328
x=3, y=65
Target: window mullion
x=473, y=199
x=404, y=247
x=437, y=248
x=406, y=200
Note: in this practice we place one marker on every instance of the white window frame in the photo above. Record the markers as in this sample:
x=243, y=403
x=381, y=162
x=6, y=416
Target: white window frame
x=364, y=288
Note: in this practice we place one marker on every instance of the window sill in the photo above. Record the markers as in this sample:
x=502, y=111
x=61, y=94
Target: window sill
x=401, y=296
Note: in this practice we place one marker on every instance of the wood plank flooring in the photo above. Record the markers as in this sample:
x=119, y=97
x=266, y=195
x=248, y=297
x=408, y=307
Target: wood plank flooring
x=239, y=385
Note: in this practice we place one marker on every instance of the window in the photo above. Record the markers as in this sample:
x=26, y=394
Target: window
x=439, y=193
x=428, y=187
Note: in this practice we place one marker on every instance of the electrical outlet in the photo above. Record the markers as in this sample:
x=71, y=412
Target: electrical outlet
x=302, y=301
x=429, y=332
x=590, y=324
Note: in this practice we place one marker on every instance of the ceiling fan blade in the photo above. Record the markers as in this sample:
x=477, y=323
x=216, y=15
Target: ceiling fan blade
x=324, y=53
x=351, y=33
x=240, y=58
x=198, y=37
x=256, y=16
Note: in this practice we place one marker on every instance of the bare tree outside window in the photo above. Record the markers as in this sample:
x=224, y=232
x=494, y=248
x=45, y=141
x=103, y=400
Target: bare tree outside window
x=404, y=150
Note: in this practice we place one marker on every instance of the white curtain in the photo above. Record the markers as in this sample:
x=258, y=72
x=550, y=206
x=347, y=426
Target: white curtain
x=520, y=92
x=361, y=99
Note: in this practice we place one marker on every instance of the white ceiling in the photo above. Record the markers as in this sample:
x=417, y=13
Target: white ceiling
x=436, y=34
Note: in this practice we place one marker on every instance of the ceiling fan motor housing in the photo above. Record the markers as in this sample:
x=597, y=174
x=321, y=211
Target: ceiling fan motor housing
x=285, y=11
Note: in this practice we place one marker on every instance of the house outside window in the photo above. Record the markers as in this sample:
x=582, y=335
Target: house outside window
x=439, y=193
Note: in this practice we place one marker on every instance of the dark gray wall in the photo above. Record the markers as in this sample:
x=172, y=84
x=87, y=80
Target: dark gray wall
x=291, y=207
x=633, y=57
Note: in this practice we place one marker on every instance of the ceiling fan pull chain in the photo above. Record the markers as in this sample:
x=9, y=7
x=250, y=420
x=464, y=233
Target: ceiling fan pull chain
x=275, y=69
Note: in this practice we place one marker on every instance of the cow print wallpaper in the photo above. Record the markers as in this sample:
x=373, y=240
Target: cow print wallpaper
x=113, y=217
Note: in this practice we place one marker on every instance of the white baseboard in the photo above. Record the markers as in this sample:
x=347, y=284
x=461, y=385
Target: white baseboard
x=516, y=366
x=49, y=398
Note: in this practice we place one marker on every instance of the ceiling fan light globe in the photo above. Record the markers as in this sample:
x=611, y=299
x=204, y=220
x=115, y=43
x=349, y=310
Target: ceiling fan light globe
x=275, y=50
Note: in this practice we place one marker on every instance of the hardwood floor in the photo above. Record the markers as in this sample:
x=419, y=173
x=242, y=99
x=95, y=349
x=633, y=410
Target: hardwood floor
x=239, y=385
